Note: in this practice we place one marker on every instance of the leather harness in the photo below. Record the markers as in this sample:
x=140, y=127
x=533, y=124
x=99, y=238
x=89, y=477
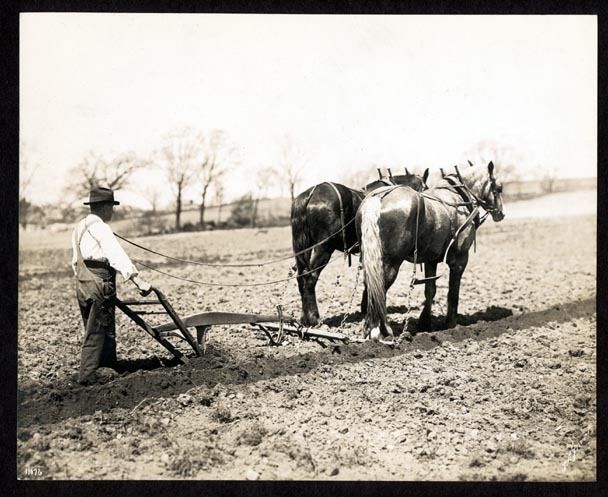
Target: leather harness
x=342, y=223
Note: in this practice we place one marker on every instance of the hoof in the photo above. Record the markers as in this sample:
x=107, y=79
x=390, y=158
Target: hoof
x=375, y=334
x=365, y=331
x=309, y=322
x=389, y=330
x=451, y=323
x=424, y=324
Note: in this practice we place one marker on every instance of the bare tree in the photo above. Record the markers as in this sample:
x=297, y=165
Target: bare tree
x=291, y=165
x=27, y=170
x=152, y=194
x=216, y=155
x=505, y=158
x=96, y=170
x=266, y=178
x=118, y=171
x=548, y=177
x=87, y=172
x=219, y=198
x=241, y=211
x=180, y=156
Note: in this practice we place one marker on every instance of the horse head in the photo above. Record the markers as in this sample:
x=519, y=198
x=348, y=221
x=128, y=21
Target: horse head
x=486, y=188
x=412, y=180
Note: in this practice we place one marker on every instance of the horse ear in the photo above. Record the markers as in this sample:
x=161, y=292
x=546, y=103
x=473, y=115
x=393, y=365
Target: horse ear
x=425, y=175
x=470, y=163
x=491, y=168
x=407, y=173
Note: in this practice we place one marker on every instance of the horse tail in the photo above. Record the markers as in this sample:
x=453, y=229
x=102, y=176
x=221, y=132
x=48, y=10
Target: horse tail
x=300, y=233
x=371, y=248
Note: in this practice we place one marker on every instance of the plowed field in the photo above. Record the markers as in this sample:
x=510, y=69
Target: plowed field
x=509, y=394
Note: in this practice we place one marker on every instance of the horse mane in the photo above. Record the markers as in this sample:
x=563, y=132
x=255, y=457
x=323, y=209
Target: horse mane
x=471, y=175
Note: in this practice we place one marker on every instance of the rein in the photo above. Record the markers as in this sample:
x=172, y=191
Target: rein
x=263, y=283
x=252, y=264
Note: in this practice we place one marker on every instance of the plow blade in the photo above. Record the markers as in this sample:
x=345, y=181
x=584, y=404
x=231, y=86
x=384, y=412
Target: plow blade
x=219, y=318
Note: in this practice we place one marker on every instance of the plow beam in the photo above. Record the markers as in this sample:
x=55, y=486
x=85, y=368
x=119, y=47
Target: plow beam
x=219, y=318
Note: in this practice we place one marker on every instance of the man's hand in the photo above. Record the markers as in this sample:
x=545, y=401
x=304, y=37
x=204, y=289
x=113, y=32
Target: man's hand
x=143, y=287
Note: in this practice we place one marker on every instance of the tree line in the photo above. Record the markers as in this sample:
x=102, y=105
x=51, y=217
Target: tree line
x=201, y=161
x=187, y=158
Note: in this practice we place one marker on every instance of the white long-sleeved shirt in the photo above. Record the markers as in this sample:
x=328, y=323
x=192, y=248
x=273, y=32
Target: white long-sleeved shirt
x=100, y=244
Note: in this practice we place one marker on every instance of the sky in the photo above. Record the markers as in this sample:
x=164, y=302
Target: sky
x=349, y=91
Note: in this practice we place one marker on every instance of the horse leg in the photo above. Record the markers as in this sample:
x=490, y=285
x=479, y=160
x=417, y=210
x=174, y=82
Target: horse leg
x=391, y=270
x=430, y=287
x=364, y=300
x=304, y=284
x=457, y=267
x=364, y=295
x=308, y=282
x=375, y=323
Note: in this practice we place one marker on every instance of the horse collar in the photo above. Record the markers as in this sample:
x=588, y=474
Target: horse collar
x=383, y=191
x=468, y=197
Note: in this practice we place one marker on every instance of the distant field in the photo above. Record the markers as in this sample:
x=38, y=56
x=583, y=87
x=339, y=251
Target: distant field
x=562, y=204
x=267, y=208
x=525, y=189
x=58, y=236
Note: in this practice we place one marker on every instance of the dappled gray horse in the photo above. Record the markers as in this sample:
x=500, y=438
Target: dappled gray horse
x=401, y=224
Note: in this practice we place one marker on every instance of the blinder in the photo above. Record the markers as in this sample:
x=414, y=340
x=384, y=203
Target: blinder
x=495, y=191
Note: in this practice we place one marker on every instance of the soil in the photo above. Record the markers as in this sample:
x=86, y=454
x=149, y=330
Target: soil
x=509, y=394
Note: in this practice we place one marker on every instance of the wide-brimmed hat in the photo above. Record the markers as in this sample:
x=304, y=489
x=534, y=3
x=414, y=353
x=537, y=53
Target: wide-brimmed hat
x=101, y=194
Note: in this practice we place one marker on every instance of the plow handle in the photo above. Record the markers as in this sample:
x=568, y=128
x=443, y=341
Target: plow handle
x=177, y=320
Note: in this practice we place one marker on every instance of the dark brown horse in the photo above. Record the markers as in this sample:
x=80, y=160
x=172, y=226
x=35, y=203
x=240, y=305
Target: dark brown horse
x=401, y=224
x=323, y=216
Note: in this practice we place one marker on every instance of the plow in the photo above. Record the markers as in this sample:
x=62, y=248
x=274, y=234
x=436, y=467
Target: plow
x=275, y=326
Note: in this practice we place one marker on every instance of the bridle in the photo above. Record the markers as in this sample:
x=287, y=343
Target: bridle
x=494, y=190
x=472, y=201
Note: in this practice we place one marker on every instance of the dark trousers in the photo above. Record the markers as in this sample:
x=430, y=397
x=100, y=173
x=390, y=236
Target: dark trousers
x=99, y=344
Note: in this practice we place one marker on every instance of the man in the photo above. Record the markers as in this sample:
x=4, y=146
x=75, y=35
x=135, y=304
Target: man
x=97, y=256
